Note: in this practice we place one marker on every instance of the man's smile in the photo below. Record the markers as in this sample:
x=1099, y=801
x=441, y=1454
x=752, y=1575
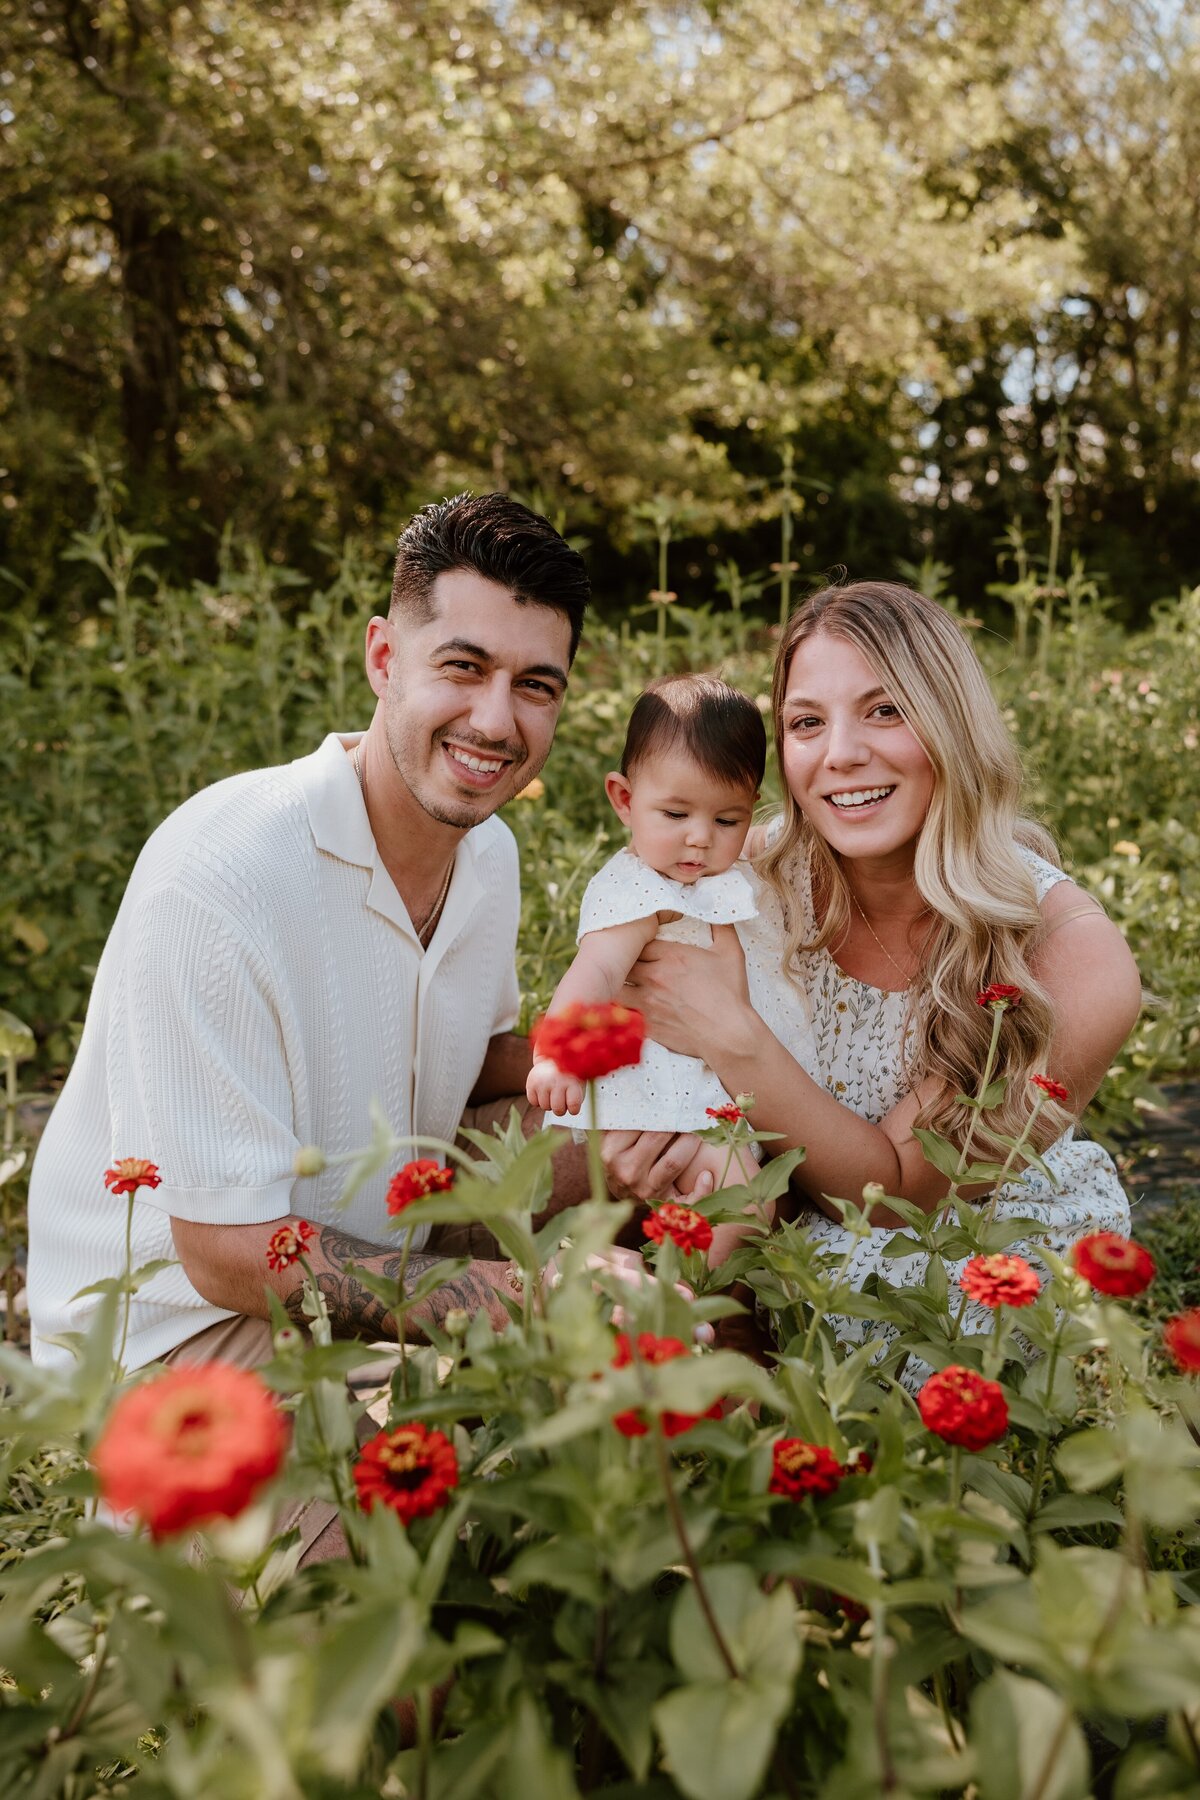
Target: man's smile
x=476, y=768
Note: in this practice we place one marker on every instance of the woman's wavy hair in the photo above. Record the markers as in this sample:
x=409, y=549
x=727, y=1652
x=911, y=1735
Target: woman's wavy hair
x=968, y=872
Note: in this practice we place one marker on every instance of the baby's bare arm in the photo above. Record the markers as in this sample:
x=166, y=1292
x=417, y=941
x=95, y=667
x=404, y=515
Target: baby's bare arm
x=602, y=962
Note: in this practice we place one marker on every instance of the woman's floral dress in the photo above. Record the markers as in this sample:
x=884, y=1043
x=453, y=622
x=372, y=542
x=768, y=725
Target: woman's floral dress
x=853, y=1049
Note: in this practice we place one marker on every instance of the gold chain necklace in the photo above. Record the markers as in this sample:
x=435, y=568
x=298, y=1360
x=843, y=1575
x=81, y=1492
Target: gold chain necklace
x=429, y=925
x=904, y=975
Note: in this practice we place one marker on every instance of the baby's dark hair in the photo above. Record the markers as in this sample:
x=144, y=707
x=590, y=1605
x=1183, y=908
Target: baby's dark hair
x=718, y=727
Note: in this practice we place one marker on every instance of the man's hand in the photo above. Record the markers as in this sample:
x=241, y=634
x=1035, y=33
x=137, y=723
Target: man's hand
x=553, y=1091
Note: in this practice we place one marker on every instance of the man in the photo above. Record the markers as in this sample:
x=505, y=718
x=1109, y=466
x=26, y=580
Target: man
x=299, y=941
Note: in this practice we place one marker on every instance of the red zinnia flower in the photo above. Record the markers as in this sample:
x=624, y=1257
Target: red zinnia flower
x=1000, y=993
x=288, y=1244
x=799, y=1469
x=1054, y=1089
x=1181, y=1335
x=963, y=1407
x=728, y=1115
x=651, y=1349
x=410, y=1468
x=682, y=1224
x=130, y=1174
x=194, y=1444
x=1113, y=1264
x=1000, y=1281
x=589, y=1041
x=414, y=1181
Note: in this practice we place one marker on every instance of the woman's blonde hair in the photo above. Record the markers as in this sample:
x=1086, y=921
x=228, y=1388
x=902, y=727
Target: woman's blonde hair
x=967, y=869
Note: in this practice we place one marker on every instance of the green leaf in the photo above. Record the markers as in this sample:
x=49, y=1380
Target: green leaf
x=360, y=1658
x=942, y=1154
x=718, y=1737
x=717, y=1732
x=534, y=1767
x=565, y=1563
x=1027, y=1741
x=1090, y=1459
x=1066, y=1510
x=16, y=1038
x=759, y=1629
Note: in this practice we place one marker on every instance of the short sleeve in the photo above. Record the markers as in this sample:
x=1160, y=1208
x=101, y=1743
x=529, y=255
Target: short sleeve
x=1045, y=875
x=198, y=1064
x=626, y=888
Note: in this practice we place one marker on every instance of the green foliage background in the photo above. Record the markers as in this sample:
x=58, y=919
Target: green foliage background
x=158, y=690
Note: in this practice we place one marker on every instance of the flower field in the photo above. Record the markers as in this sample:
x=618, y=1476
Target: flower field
x=588, y=1556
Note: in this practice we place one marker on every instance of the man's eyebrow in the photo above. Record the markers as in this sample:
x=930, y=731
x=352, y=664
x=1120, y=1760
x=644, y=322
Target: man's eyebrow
x=465, y=648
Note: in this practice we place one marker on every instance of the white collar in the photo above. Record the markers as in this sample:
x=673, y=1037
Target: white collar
x=338, y=819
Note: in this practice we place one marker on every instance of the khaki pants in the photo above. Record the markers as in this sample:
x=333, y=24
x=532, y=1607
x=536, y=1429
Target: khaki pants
x=246, y=1342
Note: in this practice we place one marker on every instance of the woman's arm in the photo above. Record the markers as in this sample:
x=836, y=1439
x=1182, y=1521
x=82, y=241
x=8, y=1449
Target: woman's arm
x=1085, y=966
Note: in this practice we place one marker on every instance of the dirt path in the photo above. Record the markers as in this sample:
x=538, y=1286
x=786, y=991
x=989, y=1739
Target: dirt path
x=1167, y=1159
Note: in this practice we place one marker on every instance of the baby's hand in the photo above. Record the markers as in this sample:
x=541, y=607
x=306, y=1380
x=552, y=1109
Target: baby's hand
x=547, y=1087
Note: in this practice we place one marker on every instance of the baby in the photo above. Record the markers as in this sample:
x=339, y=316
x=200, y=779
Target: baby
x=690, y=773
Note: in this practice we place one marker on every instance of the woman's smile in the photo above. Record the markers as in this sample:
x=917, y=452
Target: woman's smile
x=853, y=763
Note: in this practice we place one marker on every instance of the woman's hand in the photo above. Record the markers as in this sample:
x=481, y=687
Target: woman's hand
x=682, y=988
x=644, y=1165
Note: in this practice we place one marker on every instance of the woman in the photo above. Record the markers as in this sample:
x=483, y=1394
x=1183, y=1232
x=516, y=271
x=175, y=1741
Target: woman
x=898, y=883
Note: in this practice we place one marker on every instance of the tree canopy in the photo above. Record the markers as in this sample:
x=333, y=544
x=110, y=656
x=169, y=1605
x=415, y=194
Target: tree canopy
x=300, y=266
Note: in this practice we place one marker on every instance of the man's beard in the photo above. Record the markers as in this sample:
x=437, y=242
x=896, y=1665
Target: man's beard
x=462, y=816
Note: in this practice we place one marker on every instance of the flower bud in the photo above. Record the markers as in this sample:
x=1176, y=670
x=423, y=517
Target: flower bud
x=288, y=1338
x=310, y=1160
x=456, y=1322
x=745, y=1102
x=873, y=1193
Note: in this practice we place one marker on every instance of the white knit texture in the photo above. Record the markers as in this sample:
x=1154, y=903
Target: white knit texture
x=261, y=985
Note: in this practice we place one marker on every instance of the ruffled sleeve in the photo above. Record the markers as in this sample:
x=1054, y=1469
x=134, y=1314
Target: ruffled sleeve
x=626, y=888
x=1045, y=875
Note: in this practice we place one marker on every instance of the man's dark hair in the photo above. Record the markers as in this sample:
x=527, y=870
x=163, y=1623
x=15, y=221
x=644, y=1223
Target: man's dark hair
x=718, y=727
x=499, y=539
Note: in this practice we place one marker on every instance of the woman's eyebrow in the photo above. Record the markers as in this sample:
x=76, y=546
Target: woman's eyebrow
x=875, y=693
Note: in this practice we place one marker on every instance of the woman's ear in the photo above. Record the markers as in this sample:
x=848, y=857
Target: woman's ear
x=620, y=794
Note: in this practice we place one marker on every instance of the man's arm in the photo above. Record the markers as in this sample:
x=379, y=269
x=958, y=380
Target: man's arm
x=506, y=1064
x=228, y=1265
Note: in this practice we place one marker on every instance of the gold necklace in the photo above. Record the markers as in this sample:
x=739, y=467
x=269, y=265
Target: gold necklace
x=427, y=928
x=904, y=975
x=425, y=932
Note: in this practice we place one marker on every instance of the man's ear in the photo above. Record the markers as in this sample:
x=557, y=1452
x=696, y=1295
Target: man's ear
x=380, y=650
x=620, y=794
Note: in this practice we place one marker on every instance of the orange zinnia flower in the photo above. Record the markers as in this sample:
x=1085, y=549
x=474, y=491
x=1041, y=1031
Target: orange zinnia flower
x=589, y=1041
x=963, y=1407
x=409, y=1468
x=130, y=1174
x=193, y=1444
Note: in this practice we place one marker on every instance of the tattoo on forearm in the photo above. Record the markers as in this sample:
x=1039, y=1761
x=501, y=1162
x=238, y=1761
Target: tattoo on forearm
x=355, y=1312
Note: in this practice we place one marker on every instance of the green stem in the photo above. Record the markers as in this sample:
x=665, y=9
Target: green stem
x=1015, y=1151
x=402, y=1314
x=424, y=1741
x=989, y=1065
x=1039, y=1467
x=127, y=1292
x=9, y=1246
x=689, y=1555
x=595, y=1161
x=881, y=1656
x=955, y=1475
